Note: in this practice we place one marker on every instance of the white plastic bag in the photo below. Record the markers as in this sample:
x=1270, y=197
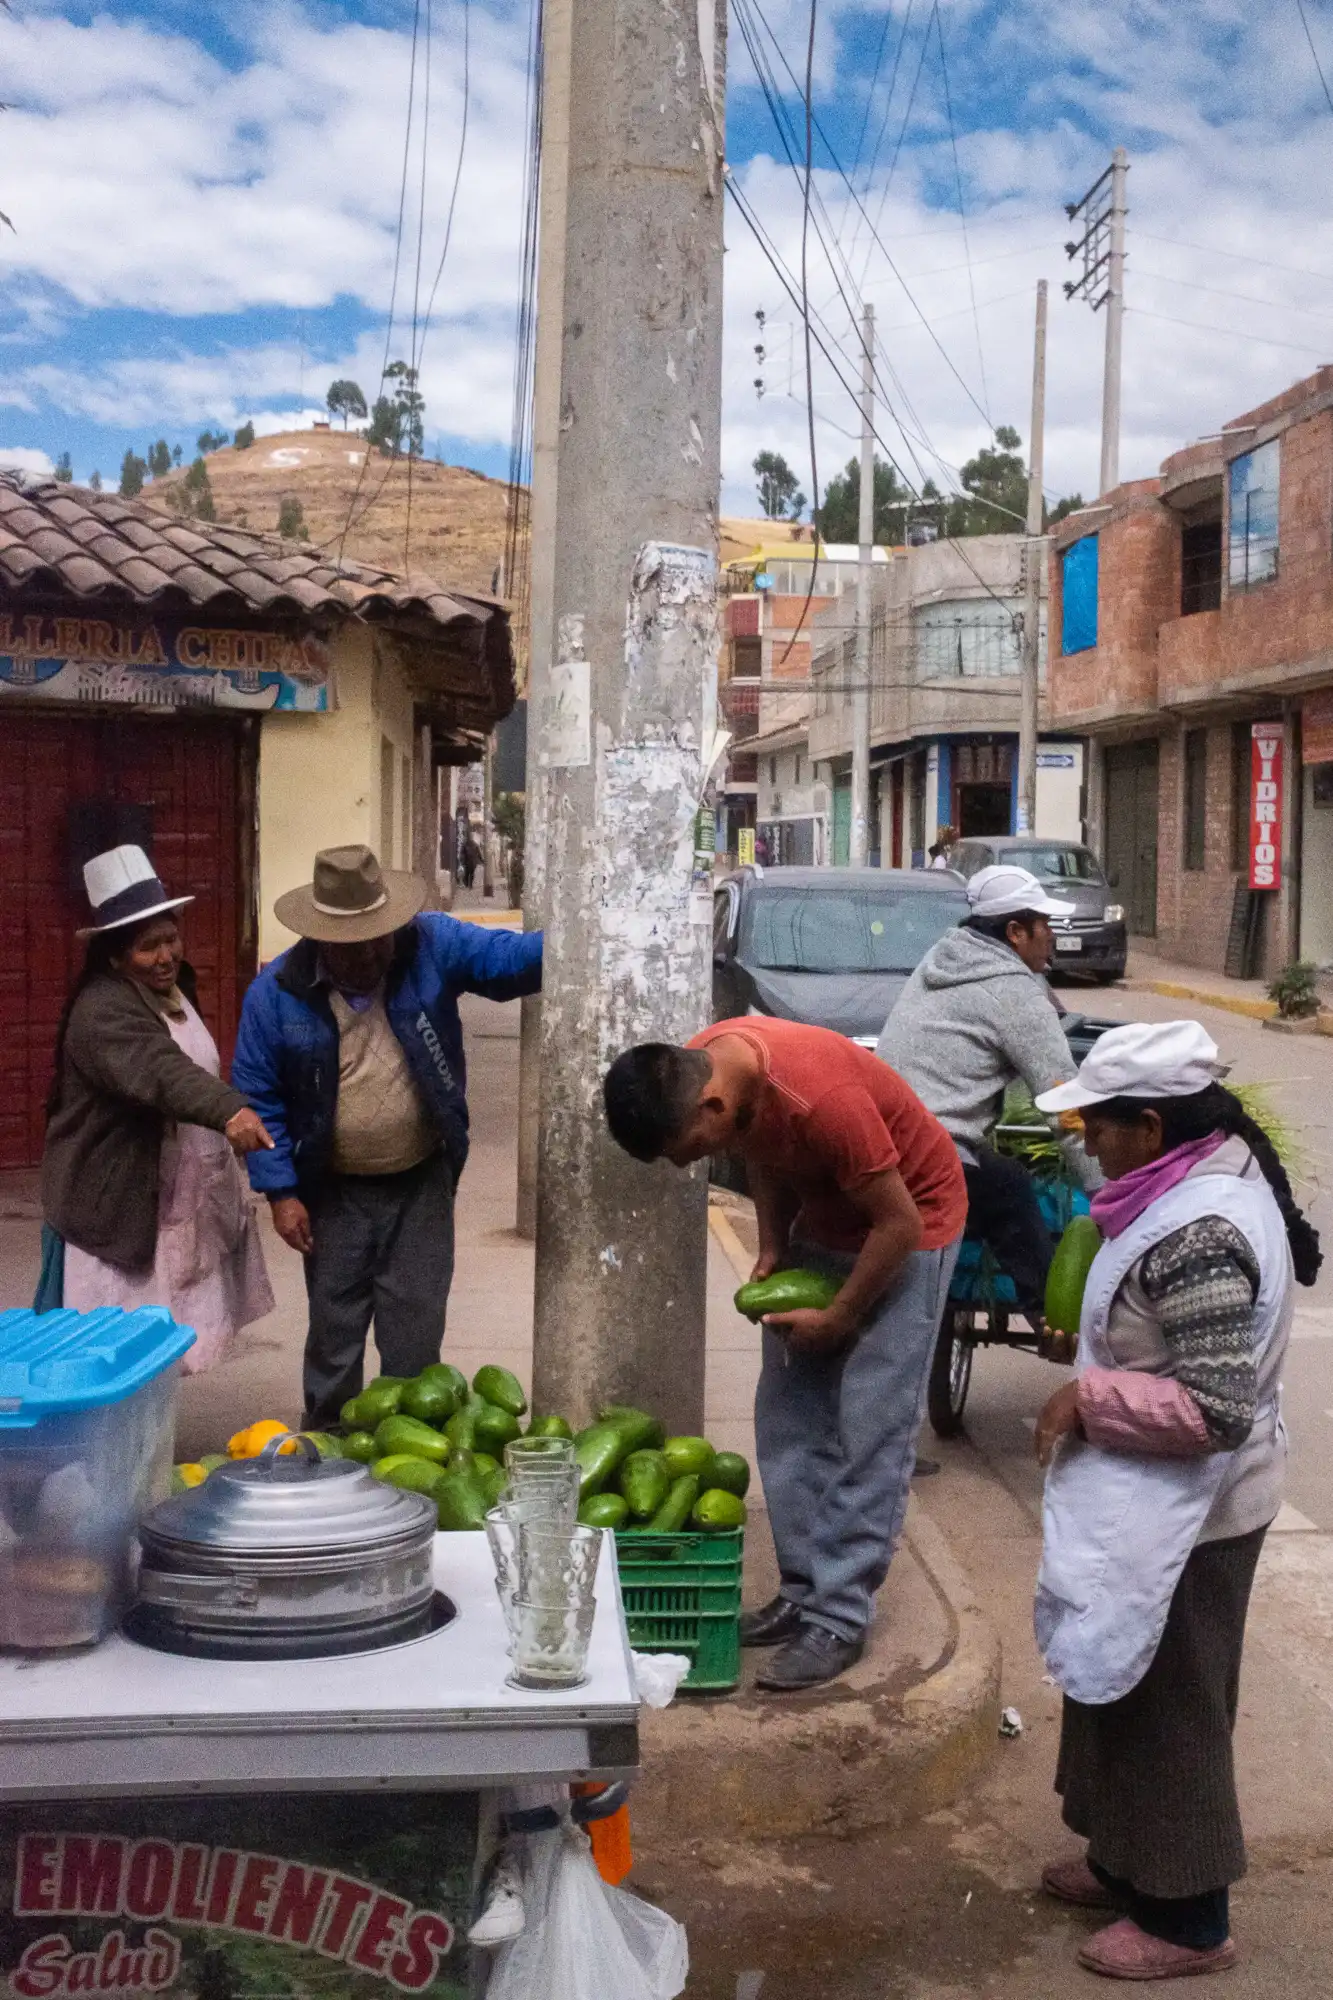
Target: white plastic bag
x=658, y=1675
x=585, y=1940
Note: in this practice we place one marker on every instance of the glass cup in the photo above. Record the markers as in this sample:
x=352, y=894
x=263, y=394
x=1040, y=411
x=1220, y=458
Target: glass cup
x=558, y=1568
x=544, y=1497
x=538, y=1451
x=550, y=1647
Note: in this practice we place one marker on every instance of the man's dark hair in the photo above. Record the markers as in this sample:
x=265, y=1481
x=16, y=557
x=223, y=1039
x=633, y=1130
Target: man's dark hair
x=650, y=1094
x=998, y=927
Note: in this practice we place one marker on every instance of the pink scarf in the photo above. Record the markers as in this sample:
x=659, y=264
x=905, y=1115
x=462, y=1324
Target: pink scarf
x=1121, y=1202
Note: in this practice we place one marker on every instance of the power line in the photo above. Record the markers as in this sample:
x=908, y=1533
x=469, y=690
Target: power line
x=1238, y=256
x=1300, y=9
x=888, y=101
x=1245, y=298
x=397, y=260
x=805, y=310
x=416, y=296
x=1234, y=332
x=962, y=209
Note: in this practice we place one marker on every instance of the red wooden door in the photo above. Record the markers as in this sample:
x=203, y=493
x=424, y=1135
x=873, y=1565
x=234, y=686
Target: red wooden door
x=193, y=778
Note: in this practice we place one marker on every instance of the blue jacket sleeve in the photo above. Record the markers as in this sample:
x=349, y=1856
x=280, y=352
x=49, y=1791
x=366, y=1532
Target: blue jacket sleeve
x=499, y=964
x=254, y=1072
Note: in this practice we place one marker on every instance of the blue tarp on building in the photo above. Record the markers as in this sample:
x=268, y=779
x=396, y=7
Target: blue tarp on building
x=1078, y=630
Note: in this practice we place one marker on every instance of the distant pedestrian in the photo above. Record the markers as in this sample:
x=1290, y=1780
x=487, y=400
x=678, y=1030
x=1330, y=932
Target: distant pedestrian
x=472, y=858
x=945, y=841
x=352, y=1047
x=139, y=1178
x=1167, y=1456
x=763, y=850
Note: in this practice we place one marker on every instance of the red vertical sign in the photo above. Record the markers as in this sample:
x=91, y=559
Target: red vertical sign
x=1265, y=805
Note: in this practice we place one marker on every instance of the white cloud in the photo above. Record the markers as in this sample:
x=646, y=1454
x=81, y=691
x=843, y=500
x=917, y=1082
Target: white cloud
x=19, y=458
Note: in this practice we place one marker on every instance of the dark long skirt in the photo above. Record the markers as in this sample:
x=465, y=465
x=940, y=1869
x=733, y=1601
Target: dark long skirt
x=1149, y=1780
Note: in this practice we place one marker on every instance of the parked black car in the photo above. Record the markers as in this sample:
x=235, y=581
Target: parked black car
x=830, y=946
x=1092, y=940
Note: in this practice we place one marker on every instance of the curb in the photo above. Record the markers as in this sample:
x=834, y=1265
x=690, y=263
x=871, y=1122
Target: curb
x=882, y=1746
x=1253, y=1010
x=866, y=1752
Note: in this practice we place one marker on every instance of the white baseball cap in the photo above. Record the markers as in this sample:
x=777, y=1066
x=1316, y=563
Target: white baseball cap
x=1002, y=891
x=1142, y=1059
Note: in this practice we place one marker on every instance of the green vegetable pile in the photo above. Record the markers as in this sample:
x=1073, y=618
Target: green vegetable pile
x=444, y=1437
x=632, y=1477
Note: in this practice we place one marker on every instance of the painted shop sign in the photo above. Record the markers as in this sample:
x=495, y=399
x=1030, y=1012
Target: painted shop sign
x=262, y=1898
x=163, y=664
x=1265, y=805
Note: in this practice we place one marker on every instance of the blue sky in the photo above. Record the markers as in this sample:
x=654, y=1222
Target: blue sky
x=205, y=198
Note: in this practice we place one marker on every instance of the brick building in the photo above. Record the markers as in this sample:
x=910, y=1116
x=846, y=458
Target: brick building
x=1192, y=617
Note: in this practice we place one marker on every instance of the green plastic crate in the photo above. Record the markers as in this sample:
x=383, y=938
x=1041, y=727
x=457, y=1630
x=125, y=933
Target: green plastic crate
x=683, y=1595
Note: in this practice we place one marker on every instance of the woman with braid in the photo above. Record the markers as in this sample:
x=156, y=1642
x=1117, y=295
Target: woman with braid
x=1166, y=1458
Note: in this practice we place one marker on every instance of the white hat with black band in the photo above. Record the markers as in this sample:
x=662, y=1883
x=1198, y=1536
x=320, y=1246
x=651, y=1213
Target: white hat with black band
x=123, y=888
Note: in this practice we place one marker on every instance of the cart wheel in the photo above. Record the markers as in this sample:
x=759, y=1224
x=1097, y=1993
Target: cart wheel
x=950, y=1372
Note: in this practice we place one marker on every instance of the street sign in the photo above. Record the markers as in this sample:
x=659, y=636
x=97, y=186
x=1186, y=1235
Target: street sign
x=1265, y=804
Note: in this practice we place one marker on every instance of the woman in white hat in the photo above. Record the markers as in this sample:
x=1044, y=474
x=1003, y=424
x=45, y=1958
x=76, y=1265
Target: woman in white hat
x=1166, y=1458
x=139, y=1173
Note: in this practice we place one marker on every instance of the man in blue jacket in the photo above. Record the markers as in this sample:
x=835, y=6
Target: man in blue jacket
x=351, y=1051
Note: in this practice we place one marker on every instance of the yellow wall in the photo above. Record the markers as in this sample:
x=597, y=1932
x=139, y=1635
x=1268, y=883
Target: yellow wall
x=320, y=775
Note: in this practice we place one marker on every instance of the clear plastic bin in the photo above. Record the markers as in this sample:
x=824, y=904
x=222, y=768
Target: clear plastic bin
x=87, y=1422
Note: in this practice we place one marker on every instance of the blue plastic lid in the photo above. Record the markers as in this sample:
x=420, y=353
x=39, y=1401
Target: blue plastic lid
x=54, y=1362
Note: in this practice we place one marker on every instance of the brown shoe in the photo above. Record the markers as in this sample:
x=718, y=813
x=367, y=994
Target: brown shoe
x=1074, y=1882
x=1123, y=1951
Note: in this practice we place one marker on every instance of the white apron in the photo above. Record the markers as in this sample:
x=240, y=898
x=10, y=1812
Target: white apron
x=1117, y=1529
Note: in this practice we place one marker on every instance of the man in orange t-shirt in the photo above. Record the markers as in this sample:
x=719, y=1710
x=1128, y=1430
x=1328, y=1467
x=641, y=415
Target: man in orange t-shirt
x=851, y=1175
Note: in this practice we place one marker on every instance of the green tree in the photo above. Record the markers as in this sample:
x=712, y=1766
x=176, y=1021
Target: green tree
x=176, y=454
x=398, y=421
x=780, y=495
x=839, y=514
x=64, y=471
x=197, y=492
x=95, y=481
x=245, y=436
x=159, y=458
x=291, y=519
x=346, y=399
x=211, y=441
x=133, y=472
x=1071, y=504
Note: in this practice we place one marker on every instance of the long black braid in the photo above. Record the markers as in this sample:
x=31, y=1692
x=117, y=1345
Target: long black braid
x=1217, y=1109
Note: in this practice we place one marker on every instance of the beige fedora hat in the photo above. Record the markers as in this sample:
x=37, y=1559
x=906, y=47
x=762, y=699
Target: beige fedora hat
x=351, y=899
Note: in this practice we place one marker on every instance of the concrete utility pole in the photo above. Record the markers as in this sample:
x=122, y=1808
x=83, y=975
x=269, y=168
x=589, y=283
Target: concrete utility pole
x=1102, y=247
x=541, y=535
x=1034, y=553
x=1115, y=316
x=630, y=701
x=859, y=853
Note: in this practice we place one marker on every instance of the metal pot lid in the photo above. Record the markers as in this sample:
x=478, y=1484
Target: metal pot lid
x=289, y=1505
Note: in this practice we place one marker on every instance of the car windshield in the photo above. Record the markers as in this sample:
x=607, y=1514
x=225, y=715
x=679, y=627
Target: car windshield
x=1055, y=864
x=840, y=930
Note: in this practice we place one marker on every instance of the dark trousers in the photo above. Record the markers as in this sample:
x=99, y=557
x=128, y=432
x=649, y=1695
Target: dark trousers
x=384, y=1251
x=1002, y=1209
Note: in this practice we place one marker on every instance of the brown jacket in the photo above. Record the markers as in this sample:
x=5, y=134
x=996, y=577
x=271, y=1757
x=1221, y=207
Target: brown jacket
x=122, y=1078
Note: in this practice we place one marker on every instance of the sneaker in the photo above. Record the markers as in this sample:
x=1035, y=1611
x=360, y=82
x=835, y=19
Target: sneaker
x=814, y=1656
x=1074, y=1882
x=502, y=1916
x=1123, y=1951
x=775, y=1622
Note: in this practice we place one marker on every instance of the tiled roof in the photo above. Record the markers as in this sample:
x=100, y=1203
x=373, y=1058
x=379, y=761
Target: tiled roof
x=60, y=540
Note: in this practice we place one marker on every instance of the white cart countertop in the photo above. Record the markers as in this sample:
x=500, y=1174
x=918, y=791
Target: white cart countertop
x=433, y=1714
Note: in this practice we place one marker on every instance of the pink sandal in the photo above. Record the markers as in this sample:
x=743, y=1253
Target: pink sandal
x=1123, y=1951
x=1074, y=1882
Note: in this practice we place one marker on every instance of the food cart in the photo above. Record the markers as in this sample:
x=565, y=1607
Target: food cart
x=286, y=1783
x=256, y=1829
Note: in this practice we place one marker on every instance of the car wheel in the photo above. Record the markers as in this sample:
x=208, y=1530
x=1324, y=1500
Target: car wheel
x=1108, y=978
x=951, y=1372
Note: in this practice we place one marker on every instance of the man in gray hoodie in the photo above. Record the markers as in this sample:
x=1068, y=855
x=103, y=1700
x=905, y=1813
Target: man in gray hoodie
x=976, y=1016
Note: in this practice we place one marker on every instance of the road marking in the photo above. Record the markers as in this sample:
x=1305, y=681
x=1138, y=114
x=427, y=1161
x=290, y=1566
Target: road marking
x=1290, y=1521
